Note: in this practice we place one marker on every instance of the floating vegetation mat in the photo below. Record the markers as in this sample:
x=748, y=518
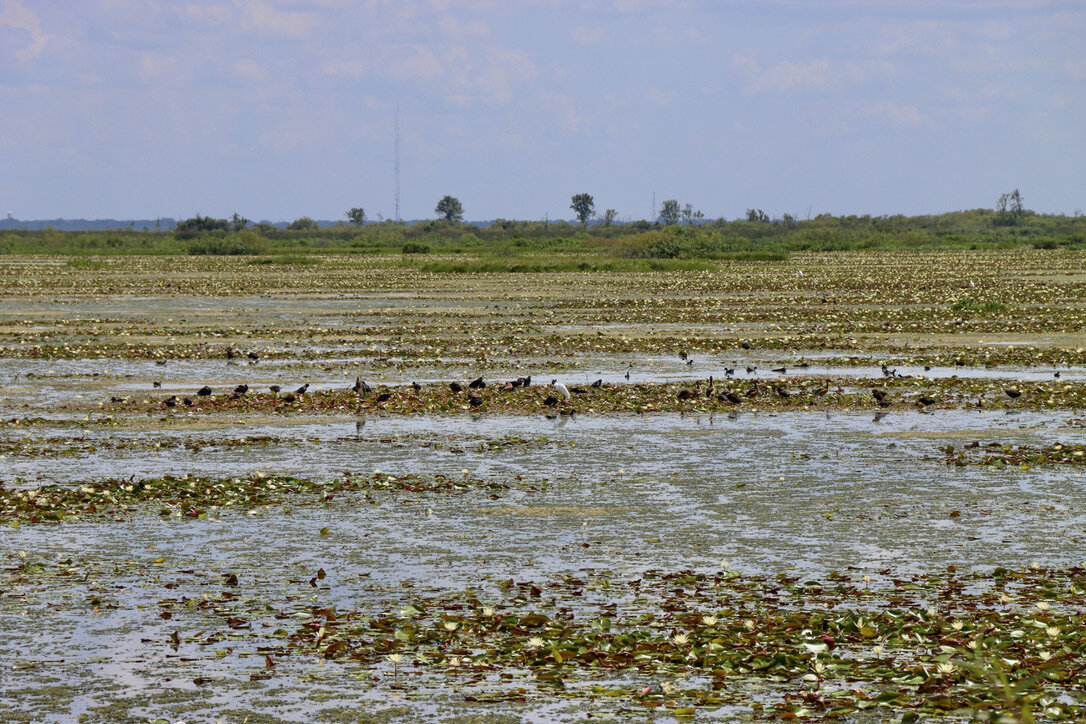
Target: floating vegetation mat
x=781, y=393
x=1009, y=645
x=1024, y=456
x=193, y=496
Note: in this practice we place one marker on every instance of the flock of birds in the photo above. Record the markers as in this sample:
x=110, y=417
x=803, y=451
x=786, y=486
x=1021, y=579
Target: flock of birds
x=561, y=392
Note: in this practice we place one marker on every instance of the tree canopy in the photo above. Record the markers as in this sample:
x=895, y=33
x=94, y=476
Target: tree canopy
x=450, y=208
x=584, y=206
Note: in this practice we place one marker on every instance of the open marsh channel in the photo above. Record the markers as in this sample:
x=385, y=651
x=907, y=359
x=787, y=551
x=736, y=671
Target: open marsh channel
x=840, y=486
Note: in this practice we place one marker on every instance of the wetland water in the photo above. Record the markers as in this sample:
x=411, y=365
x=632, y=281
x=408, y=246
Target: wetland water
x=342, y=602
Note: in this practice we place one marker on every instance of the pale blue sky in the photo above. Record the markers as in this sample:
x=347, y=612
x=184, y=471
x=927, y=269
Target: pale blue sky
x=282, y=108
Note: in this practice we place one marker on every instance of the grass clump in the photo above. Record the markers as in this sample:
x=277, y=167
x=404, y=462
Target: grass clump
x=974, y=306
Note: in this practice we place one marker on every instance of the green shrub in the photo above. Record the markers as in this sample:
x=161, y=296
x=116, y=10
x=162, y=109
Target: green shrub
x=413, y=247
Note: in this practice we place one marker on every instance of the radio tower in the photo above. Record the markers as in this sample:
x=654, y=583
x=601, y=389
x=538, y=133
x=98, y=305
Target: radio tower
x=397, y=162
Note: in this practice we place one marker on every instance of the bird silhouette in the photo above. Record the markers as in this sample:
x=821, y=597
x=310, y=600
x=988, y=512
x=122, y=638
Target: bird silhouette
x=156, y=384
x=253, y=356
x=474, y=400
x=415, y=386
x=170, y=401
x=925, y=400
x=550, y=401
x=384, y=397
x=1013, y=393
x=275, y=389
x=478, y=383
x=301, y=390
x=781, y=370
x=241, y=389
x=729, y=396
x=456, y=387
x=598, y=383
x=204, y=391
x=878, y=394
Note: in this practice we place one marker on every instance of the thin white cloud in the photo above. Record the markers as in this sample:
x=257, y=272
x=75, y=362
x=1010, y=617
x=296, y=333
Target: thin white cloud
x=14, y=15
x=815, y=76
x=902, y=116
x=584, y=35
x=260, y=15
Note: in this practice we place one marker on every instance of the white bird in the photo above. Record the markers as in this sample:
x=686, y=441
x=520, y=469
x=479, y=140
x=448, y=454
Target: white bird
x=560, y=389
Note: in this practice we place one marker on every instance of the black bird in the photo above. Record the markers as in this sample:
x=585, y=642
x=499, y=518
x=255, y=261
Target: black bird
x=690, y=362
x=781, y=392
x=301, y=390
x=187, y=401
x=456, y=387
x=1056, y=374
x=204, y=391
x=170, y=401
x=751, y=370
x=878, y=394
x=551, y=401
x=578, y=390
x=598, y=383
x=384, y=397
x=745, y=345
x=241, y=389
x=156, y=384
x=289, y=397
x=1013, y=393
x=478, y=383
x=160, y=362
x=253, y=356
x=781, y=370
x=927, y=368
x=416, y=386
x=627, y=375
x=275, y=389
x=229, y=353
x=729, y=396
x=925, y=400
x=360, y=387
x=474, y=400
x=682, y=356
x=729, y=371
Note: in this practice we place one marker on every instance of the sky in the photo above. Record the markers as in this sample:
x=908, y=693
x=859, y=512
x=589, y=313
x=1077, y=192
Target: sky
x=277, y=109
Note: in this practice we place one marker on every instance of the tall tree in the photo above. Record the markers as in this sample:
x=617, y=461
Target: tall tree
x=450, y=208
x=584, y=206
x=669, y=212
x=357, y=216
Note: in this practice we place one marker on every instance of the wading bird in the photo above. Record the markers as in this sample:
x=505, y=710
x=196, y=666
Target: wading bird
x=560, y=389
